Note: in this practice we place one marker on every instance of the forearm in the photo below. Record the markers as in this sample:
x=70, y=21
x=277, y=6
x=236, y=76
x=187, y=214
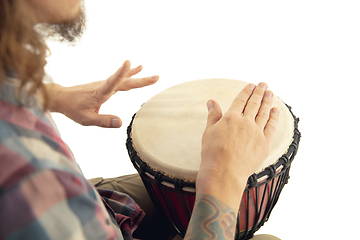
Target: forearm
x=211, y=219
x=215, y=212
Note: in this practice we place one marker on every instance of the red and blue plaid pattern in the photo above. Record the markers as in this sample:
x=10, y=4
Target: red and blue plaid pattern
x=43, y=194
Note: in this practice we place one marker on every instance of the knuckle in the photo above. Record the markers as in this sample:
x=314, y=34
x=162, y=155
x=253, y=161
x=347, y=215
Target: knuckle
x=213, y=114
x=102, y=122
x=271, y=126
x=247, y=121
x=259, y=90
x=248, y=90
x=83, y=122
x=240, y=101
x=232, y=116
x=253, y=105
x=126, y=85
x=263, y=114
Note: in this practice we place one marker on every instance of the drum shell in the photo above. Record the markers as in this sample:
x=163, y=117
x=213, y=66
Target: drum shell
x=176, y=197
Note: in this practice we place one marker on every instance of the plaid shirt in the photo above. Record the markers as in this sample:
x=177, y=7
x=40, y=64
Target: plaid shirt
x=43, y=194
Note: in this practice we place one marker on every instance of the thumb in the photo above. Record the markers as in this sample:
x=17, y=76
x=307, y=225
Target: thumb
x=106, y=121
x=214, y=112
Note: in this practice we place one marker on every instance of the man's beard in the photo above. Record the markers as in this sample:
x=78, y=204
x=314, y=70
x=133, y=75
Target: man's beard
x=67, y=31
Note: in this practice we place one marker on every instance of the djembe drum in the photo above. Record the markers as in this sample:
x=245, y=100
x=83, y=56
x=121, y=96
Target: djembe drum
x=164, y=144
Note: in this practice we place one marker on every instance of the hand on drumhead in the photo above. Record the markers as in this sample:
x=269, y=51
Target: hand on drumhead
x=235, y=144
x=82, y=103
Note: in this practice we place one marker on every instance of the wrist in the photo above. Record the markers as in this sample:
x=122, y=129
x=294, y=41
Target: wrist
x=222, y=186
x=56, y=95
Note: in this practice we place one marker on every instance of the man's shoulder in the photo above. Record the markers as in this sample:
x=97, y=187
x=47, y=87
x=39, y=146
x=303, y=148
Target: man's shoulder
x=26, y=152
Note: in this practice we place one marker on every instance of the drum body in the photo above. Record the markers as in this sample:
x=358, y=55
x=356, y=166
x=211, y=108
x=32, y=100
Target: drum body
x=171, y=187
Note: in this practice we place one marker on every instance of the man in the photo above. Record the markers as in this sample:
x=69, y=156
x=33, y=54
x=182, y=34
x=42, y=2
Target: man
x=43, y=194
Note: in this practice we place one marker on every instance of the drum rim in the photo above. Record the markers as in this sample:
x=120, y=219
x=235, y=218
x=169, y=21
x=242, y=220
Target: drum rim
x=256, y=179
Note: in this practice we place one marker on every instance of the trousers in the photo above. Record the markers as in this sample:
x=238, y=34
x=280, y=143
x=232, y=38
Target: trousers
x=154, y=225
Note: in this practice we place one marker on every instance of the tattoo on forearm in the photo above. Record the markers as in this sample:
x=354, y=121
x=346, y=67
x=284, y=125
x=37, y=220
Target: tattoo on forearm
x=211, y=219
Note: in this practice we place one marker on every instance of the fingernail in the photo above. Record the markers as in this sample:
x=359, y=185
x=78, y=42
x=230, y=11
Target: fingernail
x=275, y=111
x=268, y=94
x=252, y=86
x=263, y=86
x=115, y=123
x=210, y=105
x=153, y=78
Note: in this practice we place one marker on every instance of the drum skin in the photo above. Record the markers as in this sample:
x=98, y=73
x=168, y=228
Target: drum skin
x=164, y=144
x=168, y=128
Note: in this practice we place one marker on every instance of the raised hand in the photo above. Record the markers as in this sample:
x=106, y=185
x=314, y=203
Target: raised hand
x=82, y=103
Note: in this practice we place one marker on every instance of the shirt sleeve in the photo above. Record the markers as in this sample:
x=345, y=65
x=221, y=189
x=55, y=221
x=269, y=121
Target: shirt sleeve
x=53, y=204
x=43, y=193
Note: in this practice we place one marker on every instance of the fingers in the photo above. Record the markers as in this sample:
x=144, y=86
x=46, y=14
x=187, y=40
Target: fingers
x=254, y=102
x=214, y=113
x=121, y=81
x=109, y=86
x=272, y=123
x=134, y=71
x=264, y=111
x=242, y=98
x=105, y=121
x=130, y=83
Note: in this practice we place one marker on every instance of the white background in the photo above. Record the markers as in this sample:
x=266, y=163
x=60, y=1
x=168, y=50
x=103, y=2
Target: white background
x=307, y=51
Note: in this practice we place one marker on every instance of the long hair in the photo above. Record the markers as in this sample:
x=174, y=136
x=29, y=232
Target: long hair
x=22, y=49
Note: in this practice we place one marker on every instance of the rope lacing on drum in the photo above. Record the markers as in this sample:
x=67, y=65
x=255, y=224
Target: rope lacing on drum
x=179, y=184
x=133, y=154
x=142, y=169
x=158, y=177
x=286, y=163
x=252, y=181
x=296, y=140
x=130, y=125
x=162, y=194
x=286, y=180
x=272, y=171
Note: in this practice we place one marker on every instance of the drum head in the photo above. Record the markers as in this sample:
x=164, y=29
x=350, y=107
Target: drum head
x=168, y=129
